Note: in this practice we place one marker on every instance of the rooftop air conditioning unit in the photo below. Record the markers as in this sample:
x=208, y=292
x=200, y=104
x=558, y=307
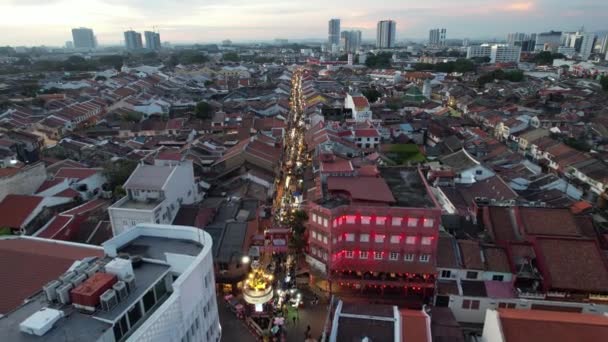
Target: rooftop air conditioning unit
x=82, y=267
x=121, y=289
x=108, y=300
x=130, y=282
x=63, y=293
x=50, y=290
x=93, y=269
x=67, y=276
x=79, y=279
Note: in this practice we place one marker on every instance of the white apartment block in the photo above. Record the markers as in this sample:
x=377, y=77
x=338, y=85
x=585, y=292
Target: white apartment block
x=154, y=195
x=498, y=53
x=162, y=288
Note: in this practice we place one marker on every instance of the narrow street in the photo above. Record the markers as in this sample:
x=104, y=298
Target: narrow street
x=294, y=153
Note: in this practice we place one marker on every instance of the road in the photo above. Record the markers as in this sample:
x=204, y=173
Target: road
x=294, y=150
x=294, y=157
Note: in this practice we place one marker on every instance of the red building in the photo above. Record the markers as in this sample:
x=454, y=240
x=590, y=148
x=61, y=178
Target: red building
x=375, y=232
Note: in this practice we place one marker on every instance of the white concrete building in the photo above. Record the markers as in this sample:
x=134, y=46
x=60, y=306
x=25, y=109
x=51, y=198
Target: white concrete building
x=479, y=51
x=164, y=291
x=154, y=195
x=498, y=53
x=502, y=53
x=360, y=107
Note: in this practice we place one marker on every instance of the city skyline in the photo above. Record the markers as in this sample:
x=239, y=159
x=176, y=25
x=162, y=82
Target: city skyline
x=34, y=22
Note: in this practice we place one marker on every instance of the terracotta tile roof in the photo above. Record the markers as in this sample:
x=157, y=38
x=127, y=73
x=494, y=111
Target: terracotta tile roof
x=169, y=155
x=337, y=165
x=360, y=102
x=47, y=184
x=546, y=221
x=362, y=188
x=551, y=326
x=70, y=193
x=26, y=265
x=367, y=133
x=76, y=173
x=446, y=252
x=57, y=224
x=500, y=224
x=15, y=209
x=496, y=259
x=415, y=326
x=470, y=251
x=572, y=264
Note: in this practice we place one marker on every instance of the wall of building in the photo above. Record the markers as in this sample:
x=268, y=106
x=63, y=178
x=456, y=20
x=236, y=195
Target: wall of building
x=25, y=182
x=492, y=331
x=474, y=174
x=190, y=313
x=122, y=218
x=478, y=315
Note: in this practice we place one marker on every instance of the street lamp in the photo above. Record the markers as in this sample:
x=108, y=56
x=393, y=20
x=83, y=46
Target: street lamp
x=245, y=259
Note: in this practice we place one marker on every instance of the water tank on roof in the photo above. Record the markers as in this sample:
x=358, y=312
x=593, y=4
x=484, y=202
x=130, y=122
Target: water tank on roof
x=119, y=267
x=63, y=293
x=40, y=322
x=50, y=290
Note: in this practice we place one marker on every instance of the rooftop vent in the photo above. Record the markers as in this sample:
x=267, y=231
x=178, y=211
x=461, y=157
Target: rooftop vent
x=130, y=282
x=50, y=290
x=40, y=322
x=121, y=289
x=63, y=293
x=108, y=300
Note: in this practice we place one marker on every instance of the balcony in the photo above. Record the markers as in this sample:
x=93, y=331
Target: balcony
x=380, y=279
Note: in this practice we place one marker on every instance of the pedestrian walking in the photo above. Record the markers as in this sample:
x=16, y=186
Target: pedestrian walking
x=294, y=319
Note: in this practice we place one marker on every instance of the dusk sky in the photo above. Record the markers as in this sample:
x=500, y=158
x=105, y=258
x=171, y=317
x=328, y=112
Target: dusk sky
x=49, y=22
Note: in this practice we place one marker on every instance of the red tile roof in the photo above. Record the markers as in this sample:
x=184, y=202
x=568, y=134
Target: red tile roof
x=546, y=221
x=15, y=209
x=362, y=188
x=57, y=224
x=27, y=265
x=415, y=327
x=47, y=184
x=337, y=165
x=367, y=133
x=76, y=173
x=169, y=155
x=471, y=255
x=551, y=326
x=70, y=193
x=572, y=264
x=360, y=102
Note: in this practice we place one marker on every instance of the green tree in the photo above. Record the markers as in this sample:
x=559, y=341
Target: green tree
x=381, y=60
x=132, y=117
x=230, y=57
x=203, y=110
x=604, y=82
x=118, y=172
x=546, y=57
x=296, y=222
x=372, y=95
x=113, y=61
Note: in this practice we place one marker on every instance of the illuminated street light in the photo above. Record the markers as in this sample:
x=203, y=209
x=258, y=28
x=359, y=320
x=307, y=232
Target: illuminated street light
x=245, y=259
